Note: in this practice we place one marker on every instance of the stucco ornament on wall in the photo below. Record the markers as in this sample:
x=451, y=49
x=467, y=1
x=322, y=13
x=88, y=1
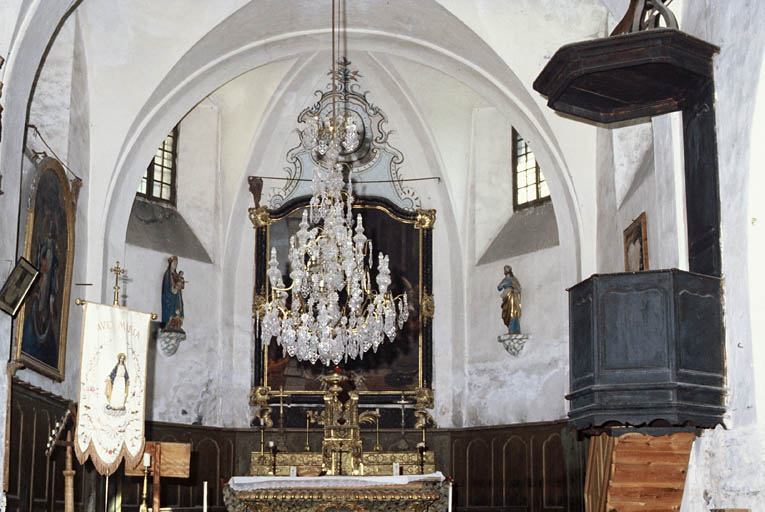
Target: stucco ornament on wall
x=510, y=291
x=374, y=163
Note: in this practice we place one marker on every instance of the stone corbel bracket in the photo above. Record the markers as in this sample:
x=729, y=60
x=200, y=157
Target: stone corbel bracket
x=513, y=343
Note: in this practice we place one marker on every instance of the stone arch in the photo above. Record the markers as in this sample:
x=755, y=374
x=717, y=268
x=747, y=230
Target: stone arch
x=216, y=59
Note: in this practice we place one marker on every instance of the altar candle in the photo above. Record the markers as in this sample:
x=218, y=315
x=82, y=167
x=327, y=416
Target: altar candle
x=146, y=459
x=450, y=496
x=204, y=496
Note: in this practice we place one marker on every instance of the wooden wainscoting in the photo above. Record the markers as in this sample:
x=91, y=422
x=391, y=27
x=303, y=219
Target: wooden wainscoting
x=35, y=483
x=519, y=468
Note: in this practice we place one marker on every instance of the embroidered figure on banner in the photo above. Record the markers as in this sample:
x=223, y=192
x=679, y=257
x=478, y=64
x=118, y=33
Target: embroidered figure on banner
x=510, y=291
x=111, y=412
x=117, y=387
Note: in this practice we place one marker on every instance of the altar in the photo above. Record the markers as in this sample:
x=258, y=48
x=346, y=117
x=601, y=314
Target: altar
x=400, y=493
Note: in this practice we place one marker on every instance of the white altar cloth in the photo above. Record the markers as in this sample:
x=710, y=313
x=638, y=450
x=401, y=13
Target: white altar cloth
x=252, y=483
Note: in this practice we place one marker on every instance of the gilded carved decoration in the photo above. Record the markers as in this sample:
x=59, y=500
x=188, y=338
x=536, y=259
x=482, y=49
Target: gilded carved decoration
x=425, y=219
x=428, y=306
x=258, y=301
x=423, y=402
x=259, y=398
x=373, y=160
x=413, y=368
x=259, y=216
x=424, y=497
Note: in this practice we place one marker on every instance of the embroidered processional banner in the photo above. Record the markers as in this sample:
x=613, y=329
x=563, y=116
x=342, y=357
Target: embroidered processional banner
x=110, y=417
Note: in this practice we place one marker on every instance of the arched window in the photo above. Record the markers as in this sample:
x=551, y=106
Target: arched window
x=158, y=183
x=529, y=185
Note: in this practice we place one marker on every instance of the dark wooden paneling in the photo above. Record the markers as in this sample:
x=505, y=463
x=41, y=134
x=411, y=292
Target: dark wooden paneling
x=518, y=468
x=553, y=474
x=702, y=183
x=479, y=473
x=35, y=482
x=516, y=474
x=521, y=468
x=656, y=341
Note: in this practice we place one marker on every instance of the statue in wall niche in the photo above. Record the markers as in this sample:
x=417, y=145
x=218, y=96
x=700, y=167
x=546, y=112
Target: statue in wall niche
x=173, y=284
x=171, y=331
x=510, y=291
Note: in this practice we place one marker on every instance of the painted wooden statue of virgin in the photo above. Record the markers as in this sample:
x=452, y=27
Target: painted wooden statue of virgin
x=172, y=295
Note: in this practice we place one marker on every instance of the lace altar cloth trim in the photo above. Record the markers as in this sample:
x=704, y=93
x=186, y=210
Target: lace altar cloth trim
x=253, y=483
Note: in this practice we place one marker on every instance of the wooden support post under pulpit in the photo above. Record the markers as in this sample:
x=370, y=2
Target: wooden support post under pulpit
x=169, y=460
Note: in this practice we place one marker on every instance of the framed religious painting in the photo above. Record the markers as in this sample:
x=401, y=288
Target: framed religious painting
x=49, y=246
x=397, y=371
x=635, y=246
x=17, y=286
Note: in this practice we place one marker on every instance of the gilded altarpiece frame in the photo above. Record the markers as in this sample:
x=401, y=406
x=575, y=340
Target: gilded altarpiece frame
x=402, y=368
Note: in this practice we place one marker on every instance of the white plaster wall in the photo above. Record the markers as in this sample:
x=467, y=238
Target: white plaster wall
x=185, y=387
x=50, y=107
x=525, y=34
x=492, y=177
x=198, y=184
x=182, y=388
x=130, y=47
x=242, y=103
x=447, y=106
x=640, y=170
x=502, y=389
x=756, y=230
x=725, y=469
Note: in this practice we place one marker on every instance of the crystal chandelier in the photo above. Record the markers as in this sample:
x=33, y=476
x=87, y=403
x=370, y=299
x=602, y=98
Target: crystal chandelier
x=331, y=312
x=329, y=135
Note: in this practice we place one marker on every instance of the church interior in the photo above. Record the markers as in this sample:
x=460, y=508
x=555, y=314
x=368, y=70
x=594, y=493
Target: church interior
x=532, y=268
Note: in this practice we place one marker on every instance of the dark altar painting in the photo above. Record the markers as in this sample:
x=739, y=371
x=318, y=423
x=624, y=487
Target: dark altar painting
x=396, y=367
x=49, y=246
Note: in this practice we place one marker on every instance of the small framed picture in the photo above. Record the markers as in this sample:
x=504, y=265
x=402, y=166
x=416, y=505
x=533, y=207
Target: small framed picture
x=635, y=247
x=17, y=286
